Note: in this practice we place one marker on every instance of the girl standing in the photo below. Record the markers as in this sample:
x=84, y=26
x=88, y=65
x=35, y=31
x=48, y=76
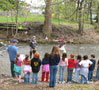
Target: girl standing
x=71, y=66
x=35, y=64
x=85, y=64
x=54, y=59
x=45, y=67
x=17, y=67
x=77, y=69
x=27, y=69
x=63, y=64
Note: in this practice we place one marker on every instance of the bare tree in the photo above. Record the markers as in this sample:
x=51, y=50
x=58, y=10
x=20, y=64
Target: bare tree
x=80, y=21
x=90, y=11
x=98, y=13
x=17, y=12
x=47, y=28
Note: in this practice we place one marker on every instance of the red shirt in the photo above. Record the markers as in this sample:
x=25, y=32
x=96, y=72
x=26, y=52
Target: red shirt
x=71, y=63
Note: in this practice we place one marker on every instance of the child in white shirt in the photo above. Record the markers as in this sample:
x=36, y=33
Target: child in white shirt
x=85, y=64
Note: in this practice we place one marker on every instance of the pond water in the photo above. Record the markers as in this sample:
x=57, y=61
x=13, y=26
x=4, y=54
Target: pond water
x=42, y=48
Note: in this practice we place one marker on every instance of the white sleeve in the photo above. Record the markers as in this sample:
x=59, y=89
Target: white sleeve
x=80, y=63
x=66, y=60
x=90, y=62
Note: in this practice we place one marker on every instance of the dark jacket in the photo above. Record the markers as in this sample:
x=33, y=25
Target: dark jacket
x=35, y=64
x=44, y=61
x=92, y=67
x=98, y=62
x=33, y=44
x=54, y=60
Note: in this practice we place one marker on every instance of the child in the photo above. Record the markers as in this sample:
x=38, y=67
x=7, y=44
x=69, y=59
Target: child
x=77, y=69
x=97, y=74
x=17, y=67
x=35, y=64
x=92, y=67
x=45, y=67
x=85, y=64
x=27, y=69
x=63, y=63
x=54, y=59
x=71, y=66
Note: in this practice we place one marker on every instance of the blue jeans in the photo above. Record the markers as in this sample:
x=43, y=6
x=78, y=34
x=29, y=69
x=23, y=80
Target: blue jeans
x=76, y=77
x=90, y=75
x=97, y=73
x=84, y=79
x=27, y=77
x=61, y=73
x=12, y=68
x=35, y=78
x=69, y=76
x=53, y=75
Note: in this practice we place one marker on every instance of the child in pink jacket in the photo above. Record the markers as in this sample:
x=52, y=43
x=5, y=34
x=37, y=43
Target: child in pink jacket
x=45, y=67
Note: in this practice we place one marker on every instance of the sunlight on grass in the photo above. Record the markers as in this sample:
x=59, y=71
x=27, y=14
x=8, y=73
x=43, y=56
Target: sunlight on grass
x=34, y=17
x=88, y=87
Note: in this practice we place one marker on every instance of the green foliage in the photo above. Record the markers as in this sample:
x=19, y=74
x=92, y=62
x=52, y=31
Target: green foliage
x=64, y=9
x=7, y=4
x=10, y=4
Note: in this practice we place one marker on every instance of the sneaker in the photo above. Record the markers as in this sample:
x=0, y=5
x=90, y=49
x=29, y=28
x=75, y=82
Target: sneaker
x=69, y=82
x=63, y=82
x=59, y=82
x=19, y=81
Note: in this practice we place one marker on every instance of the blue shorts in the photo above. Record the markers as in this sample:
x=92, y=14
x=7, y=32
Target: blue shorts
x=17, y=73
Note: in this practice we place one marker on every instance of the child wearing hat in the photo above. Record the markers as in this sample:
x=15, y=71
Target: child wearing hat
x=35, y=64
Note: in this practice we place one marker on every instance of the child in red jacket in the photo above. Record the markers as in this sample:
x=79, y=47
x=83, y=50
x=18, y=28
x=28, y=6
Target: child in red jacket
x=71, y=66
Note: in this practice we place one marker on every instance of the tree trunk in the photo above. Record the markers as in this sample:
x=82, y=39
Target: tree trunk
x=7, y=19
x=80, y=21
x=47, y=28
x=98, y=14
x=90, y=11
x=17, y=11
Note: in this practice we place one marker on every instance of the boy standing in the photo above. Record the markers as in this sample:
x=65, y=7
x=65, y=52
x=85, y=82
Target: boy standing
x=92, y=67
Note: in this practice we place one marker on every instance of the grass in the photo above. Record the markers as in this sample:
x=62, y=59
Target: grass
x=88, y=87
x=33, y=18
x=22, y=18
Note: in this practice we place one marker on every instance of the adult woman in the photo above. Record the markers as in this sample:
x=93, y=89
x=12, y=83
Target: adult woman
x=54, y=59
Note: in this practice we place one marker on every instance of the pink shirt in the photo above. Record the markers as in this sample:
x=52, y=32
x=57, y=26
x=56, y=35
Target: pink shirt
x=19, y=63
x=63, y=63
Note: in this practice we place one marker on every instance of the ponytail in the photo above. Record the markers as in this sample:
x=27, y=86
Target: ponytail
x=26, y=57
x=17, y=56
x=64, y=56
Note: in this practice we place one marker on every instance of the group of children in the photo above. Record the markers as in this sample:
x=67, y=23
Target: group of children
x=50, y=63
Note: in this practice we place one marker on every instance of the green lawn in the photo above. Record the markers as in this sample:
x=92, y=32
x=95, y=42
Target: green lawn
x=22, y=18
x=32, y=17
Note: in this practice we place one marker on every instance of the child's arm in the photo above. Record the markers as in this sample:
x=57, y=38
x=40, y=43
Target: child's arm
x=67, y=63
x=40, y=62
x=23, y=62
x=90, y=63
x=98, y=63
x=80, y=63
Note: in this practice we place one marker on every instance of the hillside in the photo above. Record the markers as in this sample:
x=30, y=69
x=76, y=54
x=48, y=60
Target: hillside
x=69, y=31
